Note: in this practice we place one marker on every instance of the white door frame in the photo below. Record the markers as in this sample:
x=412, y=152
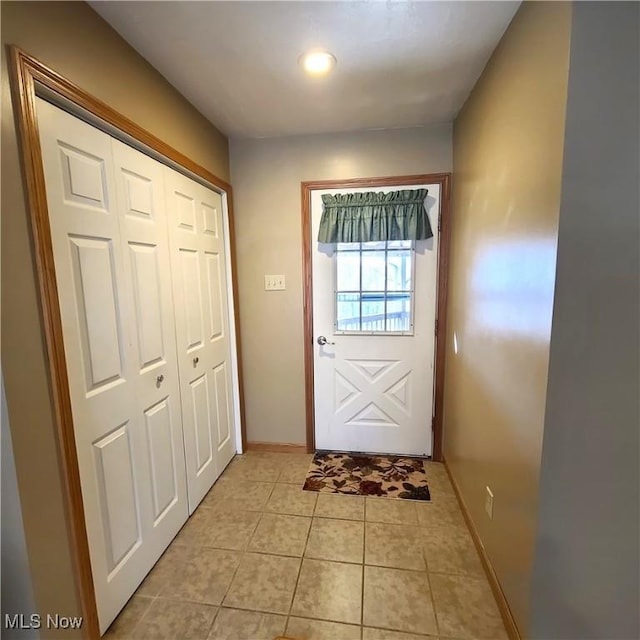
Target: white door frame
x=30, y=79
x=444, y=180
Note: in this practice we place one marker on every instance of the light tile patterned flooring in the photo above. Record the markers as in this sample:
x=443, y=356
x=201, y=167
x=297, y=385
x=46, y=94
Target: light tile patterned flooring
x=261, y=558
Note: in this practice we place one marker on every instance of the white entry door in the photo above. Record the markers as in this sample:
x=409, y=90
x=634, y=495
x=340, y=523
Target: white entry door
x=374, y=308
x=109, y=242
x=199, y=271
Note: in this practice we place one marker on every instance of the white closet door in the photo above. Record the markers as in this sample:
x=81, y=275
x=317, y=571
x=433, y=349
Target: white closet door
x=111, y=428
x=145, y=247
x=198, y=265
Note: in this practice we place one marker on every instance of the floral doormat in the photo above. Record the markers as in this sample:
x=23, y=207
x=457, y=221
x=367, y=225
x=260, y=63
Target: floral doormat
x=368, y=475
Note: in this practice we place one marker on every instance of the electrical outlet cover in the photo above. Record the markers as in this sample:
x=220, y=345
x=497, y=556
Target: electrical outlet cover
x=488, y=503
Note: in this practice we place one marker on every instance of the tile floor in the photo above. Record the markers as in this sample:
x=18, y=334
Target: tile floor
x=261, y=558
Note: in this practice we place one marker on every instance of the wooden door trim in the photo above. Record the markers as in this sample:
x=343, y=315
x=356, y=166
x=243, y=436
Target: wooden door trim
x=444, y=180
x=27, y=73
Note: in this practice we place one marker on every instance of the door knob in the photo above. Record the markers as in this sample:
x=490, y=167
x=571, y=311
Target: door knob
x=322, y=341
x=160, y=378
x=195, y=361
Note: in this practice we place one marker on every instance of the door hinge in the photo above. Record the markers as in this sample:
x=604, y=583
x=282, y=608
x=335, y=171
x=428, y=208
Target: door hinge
x=439, y=220
x=436, y=328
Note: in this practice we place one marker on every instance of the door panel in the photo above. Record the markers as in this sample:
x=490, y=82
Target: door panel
x=111, y=254
x=185, y=207
x=118, y=496
x=192, y=297
x=215, y=297
x=210, y=214
x=370, y=403
x=200, y=282
x=220, y=407
x=83, y=177
x=148, y=299
x=145, y=247
x=101, y=353
x=201, y=423
x=162, y=457
x=138, y=191
x=374, y=391
x=218, y=319
x=95, y=294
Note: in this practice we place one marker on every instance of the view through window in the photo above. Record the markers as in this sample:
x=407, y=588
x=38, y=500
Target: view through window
x=374, y=287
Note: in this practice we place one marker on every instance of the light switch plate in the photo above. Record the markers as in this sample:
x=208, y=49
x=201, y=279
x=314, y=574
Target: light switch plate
x=274, y=283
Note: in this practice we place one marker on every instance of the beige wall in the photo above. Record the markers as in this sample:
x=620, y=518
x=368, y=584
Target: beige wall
x=73, y=40
x=507, y=146
x=266, y=176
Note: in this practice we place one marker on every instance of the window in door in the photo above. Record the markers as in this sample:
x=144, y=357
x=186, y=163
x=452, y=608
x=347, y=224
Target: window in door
x=374, y=287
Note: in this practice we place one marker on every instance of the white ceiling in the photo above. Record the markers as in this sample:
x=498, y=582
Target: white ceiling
x=400, y=63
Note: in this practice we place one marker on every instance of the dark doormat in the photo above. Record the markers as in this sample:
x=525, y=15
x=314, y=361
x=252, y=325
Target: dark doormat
x=368, y=475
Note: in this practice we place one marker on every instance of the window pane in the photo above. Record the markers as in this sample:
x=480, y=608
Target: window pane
x=373, y=311
x=399, y=271
x=348, y=312
x=373, y=270
x=398, y=312
x=348, y=265
x=348, y=246
x=399, y=244
x=373, y=246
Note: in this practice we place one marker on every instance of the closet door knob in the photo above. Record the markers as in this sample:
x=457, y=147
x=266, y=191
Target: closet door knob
x=195, y=361
x=160, y=378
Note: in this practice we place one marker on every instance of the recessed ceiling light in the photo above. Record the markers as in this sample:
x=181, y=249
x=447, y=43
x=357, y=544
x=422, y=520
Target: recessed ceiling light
x=317, y=63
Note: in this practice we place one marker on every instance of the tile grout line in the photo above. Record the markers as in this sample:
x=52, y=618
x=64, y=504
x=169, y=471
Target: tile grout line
x=243, y=553
x=213, y=621
x=138, y=622
x=295, y=588
x=426, y=564
x=431, y=596
x=331, y=621
x=426, y=570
